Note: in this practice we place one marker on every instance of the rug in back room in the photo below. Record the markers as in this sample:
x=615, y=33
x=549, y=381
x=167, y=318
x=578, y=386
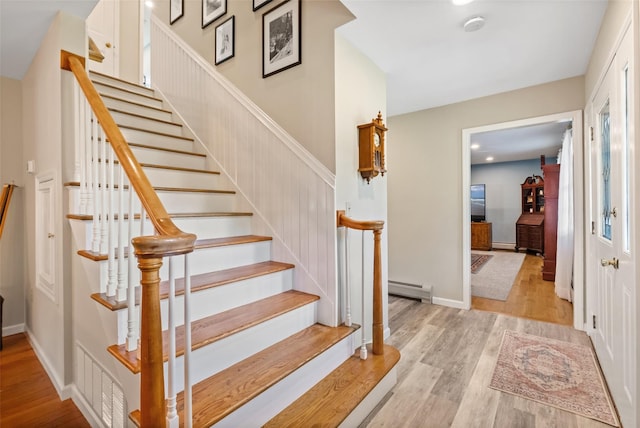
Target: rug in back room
x=553, y=372
x=495, y=279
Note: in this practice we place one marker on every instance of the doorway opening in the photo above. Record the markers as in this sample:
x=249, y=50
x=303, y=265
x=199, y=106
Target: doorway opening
x=504, y=240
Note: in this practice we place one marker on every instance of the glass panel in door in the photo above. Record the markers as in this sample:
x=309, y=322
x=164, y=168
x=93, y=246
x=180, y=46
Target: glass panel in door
x=605, y=171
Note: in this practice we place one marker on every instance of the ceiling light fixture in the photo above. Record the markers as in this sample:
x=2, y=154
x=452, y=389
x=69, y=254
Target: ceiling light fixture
x=461, y=2
x=149, y=4
x=475, y=146
x=473, y=24
x=490, y=159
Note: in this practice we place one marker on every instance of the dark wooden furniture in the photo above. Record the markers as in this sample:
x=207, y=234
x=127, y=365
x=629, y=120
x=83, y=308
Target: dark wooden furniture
x=532, y=195
x=481, y=236
x=551, y=177
x=530, y=232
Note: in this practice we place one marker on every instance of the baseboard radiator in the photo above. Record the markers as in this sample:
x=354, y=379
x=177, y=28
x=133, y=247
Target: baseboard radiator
x=414, y=291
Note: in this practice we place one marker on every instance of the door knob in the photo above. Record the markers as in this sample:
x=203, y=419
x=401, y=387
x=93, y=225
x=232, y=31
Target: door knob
x=613, y=262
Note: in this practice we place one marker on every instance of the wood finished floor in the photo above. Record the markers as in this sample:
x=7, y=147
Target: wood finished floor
x=447, y=360
x=531, y=297
x=27, y=396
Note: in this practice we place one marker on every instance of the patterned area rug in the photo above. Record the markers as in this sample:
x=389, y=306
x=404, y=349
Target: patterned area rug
x=478, y=260
x=560, y=374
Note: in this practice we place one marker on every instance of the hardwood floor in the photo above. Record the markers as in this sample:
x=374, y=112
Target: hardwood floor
x=27, y=396
x=447, y=360
x=531, y=297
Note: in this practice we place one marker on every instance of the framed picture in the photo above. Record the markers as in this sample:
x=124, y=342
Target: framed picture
x=225, y=40
x=257, y=4
x=212, y=10
x=176, y=10
x=281, y=44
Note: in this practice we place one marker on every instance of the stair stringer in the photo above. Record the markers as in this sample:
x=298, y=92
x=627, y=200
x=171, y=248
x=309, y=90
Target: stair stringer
x=271, y=171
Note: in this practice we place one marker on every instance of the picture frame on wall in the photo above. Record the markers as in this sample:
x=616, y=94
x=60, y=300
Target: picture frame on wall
x=281, y=42
x=176, y=10
x=225, y=40
x=212, y=10
x=257, y=4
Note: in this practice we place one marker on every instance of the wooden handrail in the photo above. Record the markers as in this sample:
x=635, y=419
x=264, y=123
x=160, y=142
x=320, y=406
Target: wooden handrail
x=5, y=199
x=149, y=250
x=376, y=226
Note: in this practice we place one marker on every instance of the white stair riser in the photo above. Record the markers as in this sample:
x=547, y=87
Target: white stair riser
x=219, y=299
x=222, y=354
x=124, y=105
x=121, y=84
x=155, y=140
x=160, y=157
x=194, y=202
x=215, y=227
x=372, y=399
x=268, y=404
x=218, y=258
x=185, y=179
x=145, y=123
x=126, y=95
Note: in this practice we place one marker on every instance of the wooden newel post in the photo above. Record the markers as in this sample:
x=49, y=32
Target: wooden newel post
x=378, y=330
x=152, y=405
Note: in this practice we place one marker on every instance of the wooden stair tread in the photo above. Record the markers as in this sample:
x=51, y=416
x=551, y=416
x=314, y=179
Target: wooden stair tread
x=166, y=189
x=127, y=90
x=141, y=116
x=150, y=131
x=201, y=282
x=224, y=324
x=332, y=399
x=221, y=394
x=113, y=97
x=117, y=79
x=178, y=168
x=182, y=152
x=174, y=215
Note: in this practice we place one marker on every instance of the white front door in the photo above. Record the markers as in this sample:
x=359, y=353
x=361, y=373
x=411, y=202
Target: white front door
x=611, y=269
x=102, y=27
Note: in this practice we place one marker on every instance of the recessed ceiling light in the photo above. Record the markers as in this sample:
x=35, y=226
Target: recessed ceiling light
x=490, y=159
x=461, y=2
x=473, y=24
x=149, y=4
x=475, y=146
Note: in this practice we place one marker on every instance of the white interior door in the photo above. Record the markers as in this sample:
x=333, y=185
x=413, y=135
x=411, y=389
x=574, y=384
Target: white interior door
x=611, y=255
x=102, y=27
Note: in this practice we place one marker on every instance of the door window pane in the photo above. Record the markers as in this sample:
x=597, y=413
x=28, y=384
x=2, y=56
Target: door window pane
x=626, y=153
x=605, y=165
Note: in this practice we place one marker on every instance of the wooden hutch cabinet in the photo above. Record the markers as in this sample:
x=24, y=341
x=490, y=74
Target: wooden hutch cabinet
x=551, y=181
x=530, y=224
x=481, y=236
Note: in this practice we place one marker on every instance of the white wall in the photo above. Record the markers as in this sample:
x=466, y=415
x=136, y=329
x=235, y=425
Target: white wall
x=49, y=321
x=12, y=256
x=300, y=99
x=360, y=94
x=425, y=195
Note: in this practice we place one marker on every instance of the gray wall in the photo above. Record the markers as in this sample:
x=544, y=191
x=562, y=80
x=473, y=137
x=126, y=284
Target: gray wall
x=503, y=182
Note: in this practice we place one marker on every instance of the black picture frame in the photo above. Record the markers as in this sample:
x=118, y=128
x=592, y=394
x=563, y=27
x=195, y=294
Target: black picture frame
x=281, y=38
x=176, y=10
x=212, y=10
x=257, y=4
x=225, y=40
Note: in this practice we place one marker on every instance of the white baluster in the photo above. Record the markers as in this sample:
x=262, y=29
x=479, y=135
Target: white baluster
x=111, y=232
x=187, y=344
x=363, y=348
x=132, y=324
x=104, y=227
x=86, y=136
x=348, y=321
x=121, y=291
x=172, y=414
x=98, y=215
x=88, y=171
x=79, y=101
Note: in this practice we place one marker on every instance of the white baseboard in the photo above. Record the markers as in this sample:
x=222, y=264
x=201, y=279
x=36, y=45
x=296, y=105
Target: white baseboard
x=503, y=245
x=85, y=408
x=457, y=304
x=64, y=391
x=12, y=329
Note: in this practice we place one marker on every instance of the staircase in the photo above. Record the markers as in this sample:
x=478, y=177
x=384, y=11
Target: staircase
x=259, y=357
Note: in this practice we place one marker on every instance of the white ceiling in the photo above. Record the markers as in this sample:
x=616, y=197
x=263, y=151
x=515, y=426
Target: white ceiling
x=431, y=61
x=23, y=25
x=526, y=142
